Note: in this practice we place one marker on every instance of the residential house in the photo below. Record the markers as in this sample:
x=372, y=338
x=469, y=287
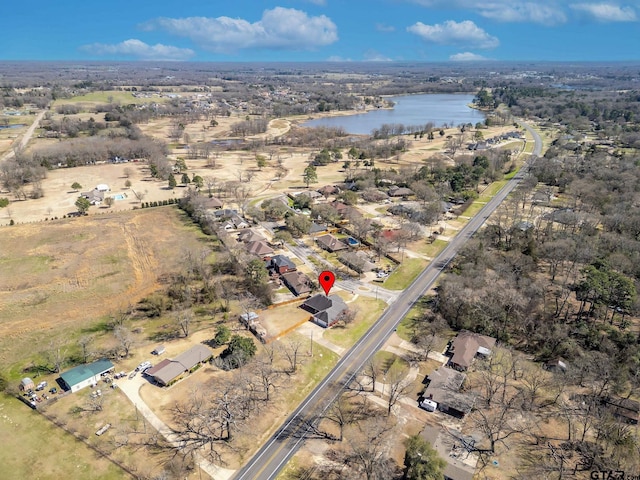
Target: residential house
x=396, y=191
x=341, y=208
x=212, y=203
x=466, y=346
x=317, y=228
x=444, y=388
x=326, y=311
x=328, y=190
x=330, y=243
x=456, y=449
x=239, y=222
x=249, y=235
x=259, y=249
x=297, y=282
x=84, y=375
x=169, y=371
x=357, y=261
x=281, y=264
x=311, y=194
x=225, y=213
x=95, y=197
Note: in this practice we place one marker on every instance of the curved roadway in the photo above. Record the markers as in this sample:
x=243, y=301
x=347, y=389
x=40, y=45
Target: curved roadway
x=277, y=451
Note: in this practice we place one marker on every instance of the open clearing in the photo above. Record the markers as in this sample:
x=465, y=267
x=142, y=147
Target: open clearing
x=60, y=275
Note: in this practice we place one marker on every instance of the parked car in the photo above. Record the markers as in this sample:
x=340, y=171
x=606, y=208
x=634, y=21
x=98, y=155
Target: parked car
x=143, y=366
x=53, y=390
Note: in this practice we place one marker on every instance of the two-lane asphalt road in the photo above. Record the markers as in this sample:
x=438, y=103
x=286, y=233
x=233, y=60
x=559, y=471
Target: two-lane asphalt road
x=275, y=453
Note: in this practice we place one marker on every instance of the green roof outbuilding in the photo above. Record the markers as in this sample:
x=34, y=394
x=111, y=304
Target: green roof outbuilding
x=85, y=375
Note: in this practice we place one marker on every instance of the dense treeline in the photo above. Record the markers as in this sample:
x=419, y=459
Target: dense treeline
x=609, y=114
x=560, y=281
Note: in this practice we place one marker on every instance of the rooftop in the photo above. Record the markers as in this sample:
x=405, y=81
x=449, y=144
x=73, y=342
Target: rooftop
x=84, y=372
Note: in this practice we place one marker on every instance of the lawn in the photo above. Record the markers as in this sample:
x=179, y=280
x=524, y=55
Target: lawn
x=406, y=273
x=492, y=189
x=473, y=209
x=35, y=448
x=368, y=311
x=431, y=249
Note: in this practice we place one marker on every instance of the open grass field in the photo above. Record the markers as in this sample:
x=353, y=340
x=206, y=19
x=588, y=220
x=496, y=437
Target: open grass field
x=33, y=447
x=114, y=96
x=429, y=249
x=58, y=277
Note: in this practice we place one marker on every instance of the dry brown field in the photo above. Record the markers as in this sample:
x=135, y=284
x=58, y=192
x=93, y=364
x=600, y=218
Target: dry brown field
x=60, y=276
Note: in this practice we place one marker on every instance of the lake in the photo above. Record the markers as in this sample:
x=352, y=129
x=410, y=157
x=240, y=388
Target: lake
x=409, y=110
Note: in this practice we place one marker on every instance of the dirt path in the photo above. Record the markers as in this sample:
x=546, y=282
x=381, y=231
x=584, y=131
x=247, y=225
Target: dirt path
x=26, y=137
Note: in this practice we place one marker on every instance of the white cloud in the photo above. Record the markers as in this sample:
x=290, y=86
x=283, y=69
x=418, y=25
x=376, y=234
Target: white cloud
x=279, y=28
x=140, y=50
x=381, y=27
x=455, y=33
x=467, y=57
x=523, y=12
x=373, y=56
x=338, y=58
x=606, y=12
x=546, y=12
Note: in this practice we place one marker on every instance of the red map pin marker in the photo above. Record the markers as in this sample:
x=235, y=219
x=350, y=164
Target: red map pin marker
x=326, y=279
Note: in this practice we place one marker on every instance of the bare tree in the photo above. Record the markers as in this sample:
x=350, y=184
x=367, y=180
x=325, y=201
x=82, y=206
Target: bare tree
x=291, y=352
x=266, y=375
x=184, y=319
x=84, y=343
x=397, y=385
x=368, y=448
x=125, y=339
x=56, y=355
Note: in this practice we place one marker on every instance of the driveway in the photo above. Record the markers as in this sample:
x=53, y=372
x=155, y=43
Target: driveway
x=131, y=388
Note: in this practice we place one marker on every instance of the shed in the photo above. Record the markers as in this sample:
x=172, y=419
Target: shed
x=102, y=187
x=27, y=384
x=85, y=375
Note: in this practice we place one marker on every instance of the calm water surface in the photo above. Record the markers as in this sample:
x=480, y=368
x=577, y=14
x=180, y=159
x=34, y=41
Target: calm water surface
x=408, y=110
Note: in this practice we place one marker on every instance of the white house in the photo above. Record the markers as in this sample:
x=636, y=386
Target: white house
x=85, y=375
x=103, y=187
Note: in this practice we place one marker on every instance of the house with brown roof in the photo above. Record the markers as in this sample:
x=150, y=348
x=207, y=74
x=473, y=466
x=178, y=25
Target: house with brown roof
x=281, y=264
x=212, y=203
x=444, y=388
x=259, y=249
x=297, y=282
x=466, y=346
x=330, y=243
x=169, y=371
x=328, y=190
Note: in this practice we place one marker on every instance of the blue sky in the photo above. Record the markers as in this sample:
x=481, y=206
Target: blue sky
x=321, y=30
